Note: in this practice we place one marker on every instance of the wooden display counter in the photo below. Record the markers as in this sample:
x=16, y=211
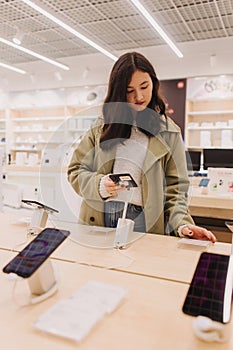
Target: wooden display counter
x=212, y=212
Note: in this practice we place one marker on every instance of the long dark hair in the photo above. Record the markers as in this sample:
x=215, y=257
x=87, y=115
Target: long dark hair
x=116, y=112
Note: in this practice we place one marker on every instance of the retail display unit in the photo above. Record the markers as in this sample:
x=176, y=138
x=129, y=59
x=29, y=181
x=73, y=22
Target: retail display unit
x=32, y=129
x=46, y=119
x=209, y=113
x=42, y=129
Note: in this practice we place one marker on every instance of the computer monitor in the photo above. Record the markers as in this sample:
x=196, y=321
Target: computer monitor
x=193, y=159
x=217, y=158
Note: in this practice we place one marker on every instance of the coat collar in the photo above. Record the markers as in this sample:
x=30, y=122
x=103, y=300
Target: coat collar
x=158, y=147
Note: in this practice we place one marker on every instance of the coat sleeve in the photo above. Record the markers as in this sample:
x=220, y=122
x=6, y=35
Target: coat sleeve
x=176, y=187
x=82, y=171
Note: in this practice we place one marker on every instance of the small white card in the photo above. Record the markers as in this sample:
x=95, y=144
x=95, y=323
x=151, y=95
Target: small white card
x=197, y=242
x=74, y=317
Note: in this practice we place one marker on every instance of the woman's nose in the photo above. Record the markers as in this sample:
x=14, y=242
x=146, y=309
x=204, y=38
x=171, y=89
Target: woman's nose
x=138, y=95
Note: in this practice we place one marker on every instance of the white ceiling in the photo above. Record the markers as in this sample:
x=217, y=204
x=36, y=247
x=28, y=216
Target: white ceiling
x=202, y=30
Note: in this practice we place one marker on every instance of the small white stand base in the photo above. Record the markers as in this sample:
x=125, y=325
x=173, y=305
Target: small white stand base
x=211, y=331
x=124, y=228
x=43, y=283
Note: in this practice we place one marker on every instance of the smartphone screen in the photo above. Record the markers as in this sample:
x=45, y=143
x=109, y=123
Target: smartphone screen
x=123, y=179
x=207, y=292
x=204, y=182
x=36, y=252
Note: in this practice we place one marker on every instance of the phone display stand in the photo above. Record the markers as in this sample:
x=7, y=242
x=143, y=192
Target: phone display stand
x=124, y=229
x=39, y=216
x=211, y=331
x=38, y=220
x=42, y=283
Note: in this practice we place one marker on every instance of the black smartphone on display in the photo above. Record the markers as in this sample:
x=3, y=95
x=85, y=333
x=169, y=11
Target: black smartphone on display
x=210, y=291
x=124, y=179
x=39, y=205
x=36, y=252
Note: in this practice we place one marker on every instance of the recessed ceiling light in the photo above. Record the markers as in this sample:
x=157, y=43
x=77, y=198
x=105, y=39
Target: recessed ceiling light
x=18, y=37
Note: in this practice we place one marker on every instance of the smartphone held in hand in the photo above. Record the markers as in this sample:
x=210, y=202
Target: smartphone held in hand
x=124, y=180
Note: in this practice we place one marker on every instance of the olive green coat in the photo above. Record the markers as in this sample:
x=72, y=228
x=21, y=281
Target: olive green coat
x=164, y=179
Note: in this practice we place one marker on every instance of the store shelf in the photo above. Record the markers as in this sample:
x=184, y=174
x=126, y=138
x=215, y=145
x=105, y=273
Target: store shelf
x=198, y=148
x=209, y=124
x=210, y=128
x=36, y=131
x=24, y=149
x=34, y=142
x=219, y=112
x=36, y=119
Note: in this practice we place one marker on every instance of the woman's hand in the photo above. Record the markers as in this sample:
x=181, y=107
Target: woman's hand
x=198, y=232
x=111, y=187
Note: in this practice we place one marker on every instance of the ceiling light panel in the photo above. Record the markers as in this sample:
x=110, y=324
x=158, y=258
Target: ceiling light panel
x=9, y=11
x=13, y=56
x=120, y=45
x=205, y=30
x=87, y=14
x=145, y=37
x=42, y=48
x=225, y=7
x=196, y=12
x=228, y=24
x=62, y=5
x=115, y=9
x=172, y=23
x=202, y=15
x=133, y=29
x=179, y=18
x=48, y=35
x=65, y=45
x=117, y=41
x=105, y=27
x=189, y=13
x=33, y=25
x=68, y=28
x=6, y=29
x=76, y=52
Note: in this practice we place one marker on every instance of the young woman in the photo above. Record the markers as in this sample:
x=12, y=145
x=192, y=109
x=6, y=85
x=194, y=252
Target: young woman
x=134, y=136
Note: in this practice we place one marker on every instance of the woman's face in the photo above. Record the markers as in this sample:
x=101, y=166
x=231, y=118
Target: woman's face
x=139, y=90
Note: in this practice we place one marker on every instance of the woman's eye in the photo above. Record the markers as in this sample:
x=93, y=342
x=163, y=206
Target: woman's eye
x=129, y=91
x=144, y=87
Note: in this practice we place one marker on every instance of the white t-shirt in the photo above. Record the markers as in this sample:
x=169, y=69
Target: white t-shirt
x=130, y=157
